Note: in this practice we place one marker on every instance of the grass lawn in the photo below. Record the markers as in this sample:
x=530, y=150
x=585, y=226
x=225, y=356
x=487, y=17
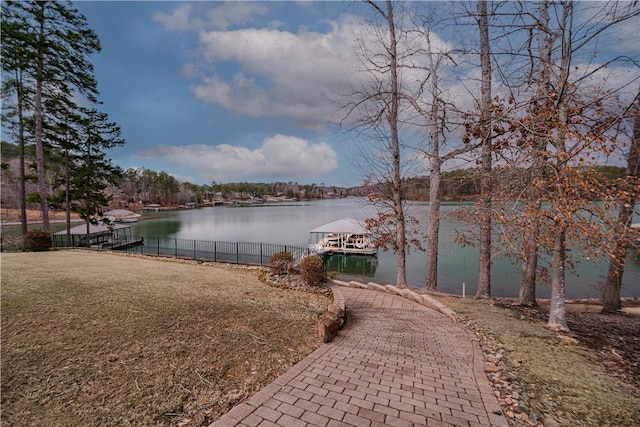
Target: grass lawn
x=105, y=339
x=577, y=381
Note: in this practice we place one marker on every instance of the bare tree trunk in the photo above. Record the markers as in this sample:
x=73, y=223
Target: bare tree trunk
x=434, y=223
x=527, y=294
x=67, y=201
x=611, y=295
x=22, y=193
x=435, y=173
x=557, y=309
x=42, y=177
x=484, y=274
x=401, y=279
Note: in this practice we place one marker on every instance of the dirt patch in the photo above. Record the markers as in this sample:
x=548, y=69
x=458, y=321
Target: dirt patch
x=99, y=339
x=588, y=377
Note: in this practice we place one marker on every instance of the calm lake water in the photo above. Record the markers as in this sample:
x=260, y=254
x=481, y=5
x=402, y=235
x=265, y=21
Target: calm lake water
x=290, y=223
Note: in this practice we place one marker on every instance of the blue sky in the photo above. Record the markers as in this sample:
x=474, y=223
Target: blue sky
x=246, y=91
x=225, y=92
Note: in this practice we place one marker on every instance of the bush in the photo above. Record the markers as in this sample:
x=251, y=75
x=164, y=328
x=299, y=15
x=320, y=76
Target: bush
x=280, y=262
x=312, y=270
x=37, y=241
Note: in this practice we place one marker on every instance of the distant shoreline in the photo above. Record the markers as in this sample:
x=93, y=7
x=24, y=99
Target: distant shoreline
x=53, y=221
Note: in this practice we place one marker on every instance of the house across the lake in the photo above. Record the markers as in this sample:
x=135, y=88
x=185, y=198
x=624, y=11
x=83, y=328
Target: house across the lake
x=152, y=207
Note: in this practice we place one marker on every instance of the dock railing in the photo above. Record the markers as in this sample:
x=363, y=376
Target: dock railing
x=251, y=253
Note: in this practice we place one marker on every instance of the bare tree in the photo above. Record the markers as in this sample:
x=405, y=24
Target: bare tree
x=628, y=197
x=561, y=134
x=376, y=106
x=484, y=274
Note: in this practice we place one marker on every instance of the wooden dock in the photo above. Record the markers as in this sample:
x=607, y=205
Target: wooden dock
x=122, y=243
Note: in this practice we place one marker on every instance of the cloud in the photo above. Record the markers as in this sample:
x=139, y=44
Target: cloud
x=279, y=157
x=280, y=74
x=230, y=13
x=178, y=20
x=187, y=18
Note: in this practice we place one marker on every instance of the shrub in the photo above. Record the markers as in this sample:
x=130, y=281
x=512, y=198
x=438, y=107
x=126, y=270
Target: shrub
x=37, y=241
x=312, y=270
x=280, y=262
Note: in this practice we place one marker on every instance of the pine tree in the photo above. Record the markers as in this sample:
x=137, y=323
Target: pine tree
x=93, y=171
x=51, y=43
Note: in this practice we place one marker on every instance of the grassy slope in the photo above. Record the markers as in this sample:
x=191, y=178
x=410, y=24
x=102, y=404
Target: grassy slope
x=99, y=339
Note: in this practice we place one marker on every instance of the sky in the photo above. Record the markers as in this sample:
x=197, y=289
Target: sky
x=225, y=92
x=236, y=91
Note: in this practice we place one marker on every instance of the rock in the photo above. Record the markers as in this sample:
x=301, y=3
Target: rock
x=328, y=327
x=491, y=367
x=567, y=339
x=535, y=415
x=491, y=358
x=550, y=422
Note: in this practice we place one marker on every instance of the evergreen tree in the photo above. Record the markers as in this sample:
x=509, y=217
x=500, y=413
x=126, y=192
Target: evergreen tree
x=93, y=171
x=49, y=43
x=15, y=56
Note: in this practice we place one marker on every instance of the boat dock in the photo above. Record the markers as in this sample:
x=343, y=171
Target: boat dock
x=345, y=236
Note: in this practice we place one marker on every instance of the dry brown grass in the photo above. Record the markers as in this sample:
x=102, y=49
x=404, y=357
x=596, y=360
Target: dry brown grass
x=13, y=215
x=99, y=339
x=558, y=377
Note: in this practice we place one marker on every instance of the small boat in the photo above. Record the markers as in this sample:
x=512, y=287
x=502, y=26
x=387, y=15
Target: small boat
x=122, y=215
x=345, y=236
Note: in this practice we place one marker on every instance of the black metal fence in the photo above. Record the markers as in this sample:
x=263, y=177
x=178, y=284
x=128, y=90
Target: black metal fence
x=254, y=253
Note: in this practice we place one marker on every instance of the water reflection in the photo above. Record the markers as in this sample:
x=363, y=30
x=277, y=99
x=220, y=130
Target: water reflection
x=352, y=264
x=165, y=227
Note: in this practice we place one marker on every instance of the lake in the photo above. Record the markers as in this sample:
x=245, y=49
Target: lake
x=290, y=223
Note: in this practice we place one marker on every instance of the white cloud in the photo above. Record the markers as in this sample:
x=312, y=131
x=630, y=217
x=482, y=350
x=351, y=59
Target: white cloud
x=178, y=20
x=279, y=157
x=298, y=74
x=229, y=13
x=197, y=17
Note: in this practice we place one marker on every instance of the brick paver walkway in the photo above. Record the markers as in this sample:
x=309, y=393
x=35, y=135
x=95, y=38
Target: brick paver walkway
x=396, y=363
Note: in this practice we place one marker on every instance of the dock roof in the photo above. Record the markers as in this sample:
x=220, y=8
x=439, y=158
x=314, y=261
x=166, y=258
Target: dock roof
x=344, y=225
x=93, y=229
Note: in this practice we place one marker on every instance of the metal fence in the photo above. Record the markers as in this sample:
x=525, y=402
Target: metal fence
x=254, y=253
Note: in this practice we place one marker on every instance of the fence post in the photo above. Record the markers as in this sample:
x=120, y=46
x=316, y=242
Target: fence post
x=260, y=253
x=215, y=251
x=195, y=249
x=158, y=246
x=175, y=247
x=237, y=253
